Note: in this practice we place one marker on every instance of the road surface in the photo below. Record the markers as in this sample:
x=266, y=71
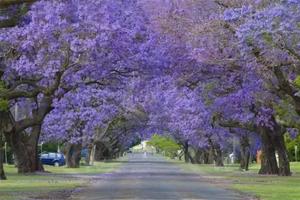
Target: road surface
x=152, y=177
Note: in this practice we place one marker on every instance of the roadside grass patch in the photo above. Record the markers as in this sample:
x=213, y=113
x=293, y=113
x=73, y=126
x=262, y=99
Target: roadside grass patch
x=60, y=179
x=262, y=186
x=97, y=168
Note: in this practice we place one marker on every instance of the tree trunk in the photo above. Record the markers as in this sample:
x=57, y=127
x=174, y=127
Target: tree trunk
x=2, y=174
x=92, y=155
x=107, y=154
x=3, y=119
x=268, y=160
x=207, y=157
x=25, y=144
x=245, y=152
x=191, y=158
x=197, y=158
x=25, y=148
x=73, y=153
x=216, y=153
x=284, y=163
x=218, y=157
x=273, y=141
x=99, y=151
x=278, y=139
x=186, y=151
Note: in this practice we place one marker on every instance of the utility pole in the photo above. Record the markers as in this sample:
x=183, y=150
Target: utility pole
x=5, y=151
x=92, y=156
x=42, y=147
x=58, y=149
x=296, y=153
x=234, y=149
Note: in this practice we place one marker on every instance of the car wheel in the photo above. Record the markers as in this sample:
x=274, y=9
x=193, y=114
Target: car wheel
x=56, y=164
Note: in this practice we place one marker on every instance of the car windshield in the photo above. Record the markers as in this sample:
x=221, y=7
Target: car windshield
x=52, y=155
x=44, y=155
x=59, y=155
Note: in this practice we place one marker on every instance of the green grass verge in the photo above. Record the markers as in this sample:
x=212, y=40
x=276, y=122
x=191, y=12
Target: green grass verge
x=97, y=168
x=61, y=178
x=264, y=187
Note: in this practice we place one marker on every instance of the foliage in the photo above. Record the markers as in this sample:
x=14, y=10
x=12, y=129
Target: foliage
x=290, y=145
x=49, y=147
x=4, y=104
x=191, y=70
x=297, y=82
x=164, y=144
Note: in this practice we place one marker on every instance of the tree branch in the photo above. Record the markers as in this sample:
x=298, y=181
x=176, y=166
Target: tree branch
x=7, y=3
x=236, y=124
x=10, y=95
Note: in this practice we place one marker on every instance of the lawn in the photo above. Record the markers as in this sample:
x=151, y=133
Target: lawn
x=60, y=180
x=264, y=187
x=98, y=167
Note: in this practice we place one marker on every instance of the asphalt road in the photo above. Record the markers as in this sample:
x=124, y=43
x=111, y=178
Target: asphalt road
x=152, y=177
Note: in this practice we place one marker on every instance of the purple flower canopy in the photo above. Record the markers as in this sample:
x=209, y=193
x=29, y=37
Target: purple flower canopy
x=180, y=68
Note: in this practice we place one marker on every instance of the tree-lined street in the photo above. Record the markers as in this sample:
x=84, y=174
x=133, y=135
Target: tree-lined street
x=147, y=176
x=212, y=83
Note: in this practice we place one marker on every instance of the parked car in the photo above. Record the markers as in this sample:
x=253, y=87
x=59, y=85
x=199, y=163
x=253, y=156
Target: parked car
x=55, y=159
x=84, y=153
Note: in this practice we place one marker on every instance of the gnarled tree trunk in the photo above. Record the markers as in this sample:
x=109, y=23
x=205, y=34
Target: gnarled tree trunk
x=187, y=156
x=25, y=148
x=273, y=142
x=216, y=153
x=245, y=152
x=284, y=162
x=25, y=144
x=100, y=151
x=207, y=157
x=197, y=157
x=73, y=154
x=268, y=160
x=218, y=156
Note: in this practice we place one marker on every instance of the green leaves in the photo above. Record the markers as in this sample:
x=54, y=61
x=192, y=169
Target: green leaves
x=267, y=37
x=166, y=144
x=297, y=82
x=3, y=102
x=3, y=105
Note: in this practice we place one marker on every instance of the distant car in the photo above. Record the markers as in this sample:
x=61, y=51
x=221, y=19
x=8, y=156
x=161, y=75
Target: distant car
x=55, y=159
x=129, y=151
x=84, y=153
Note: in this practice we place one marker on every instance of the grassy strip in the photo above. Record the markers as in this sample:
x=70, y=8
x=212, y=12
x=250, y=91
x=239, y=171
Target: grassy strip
x=60, y=179
x=97, y=168
x=264, y=187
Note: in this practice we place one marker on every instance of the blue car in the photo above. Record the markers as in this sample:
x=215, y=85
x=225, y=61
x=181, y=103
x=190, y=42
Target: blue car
x=55, y=159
